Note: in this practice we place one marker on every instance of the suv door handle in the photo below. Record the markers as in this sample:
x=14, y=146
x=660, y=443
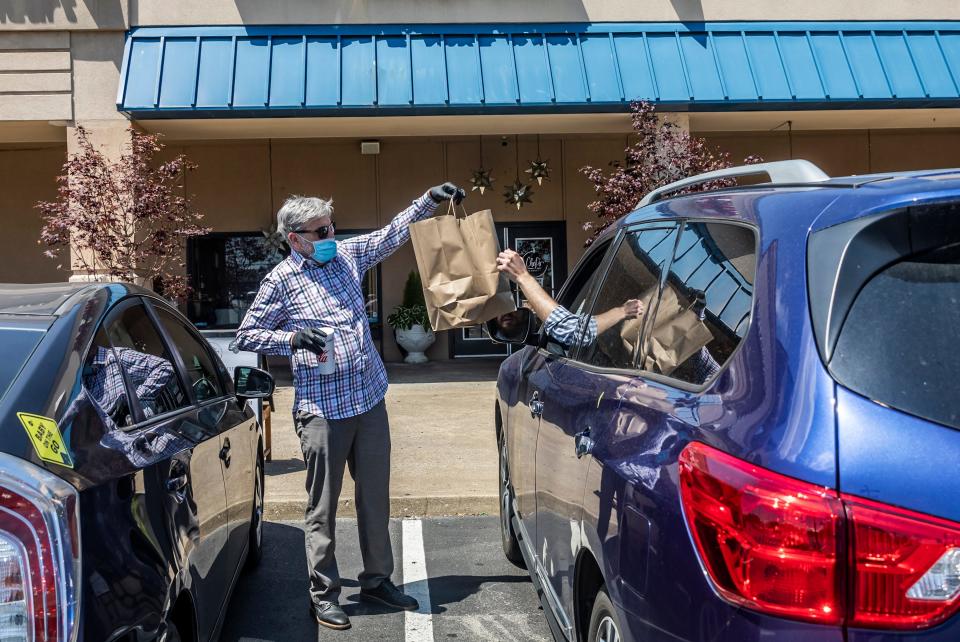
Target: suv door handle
x=536, y=406
x=583, y=444
x=225, y=452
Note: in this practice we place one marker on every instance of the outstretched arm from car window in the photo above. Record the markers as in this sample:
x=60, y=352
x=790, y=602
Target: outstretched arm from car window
x=558, y=322
x=511, y=264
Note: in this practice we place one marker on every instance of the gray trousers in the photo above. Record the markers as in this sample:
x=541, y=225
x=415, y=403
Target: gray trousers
x=363, y=444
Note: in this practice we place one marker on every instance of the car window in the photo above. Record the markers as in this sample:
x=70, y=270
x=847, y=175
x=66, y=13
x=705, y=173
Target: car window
x=141, y=355
x=16, y=345
x=575, y=298
x=898, y=343
x=704, y=310
x=613, y=339
x=202, y=375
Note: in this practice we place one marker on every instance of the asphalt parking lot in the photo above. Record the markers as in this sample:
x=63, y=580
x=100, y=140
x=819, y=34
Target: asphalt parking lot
x=467, y=590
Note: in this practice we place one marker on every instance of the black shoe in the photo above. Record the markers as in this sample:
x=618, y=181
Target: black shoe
x=329, y=614
x=390, y=595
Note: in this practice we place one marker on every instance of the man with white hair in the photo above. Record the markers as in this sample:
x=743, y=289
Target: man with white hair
x=340, y=418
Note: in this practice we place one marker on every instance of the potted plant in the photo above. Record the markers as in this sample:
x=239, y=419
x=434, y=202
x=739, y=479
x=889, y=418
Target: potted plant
x=410, y=323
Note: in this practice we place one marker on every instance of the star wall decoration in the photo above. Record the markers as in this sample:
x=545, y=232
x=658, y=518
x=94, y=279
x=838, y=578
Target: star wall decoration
x=482, y=179
x=518, y=194
x=539, y=169
x=273, y=240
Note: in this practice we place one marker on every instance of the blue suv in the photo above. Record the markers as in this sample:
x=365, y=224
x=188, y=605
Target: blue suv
x=773, y=448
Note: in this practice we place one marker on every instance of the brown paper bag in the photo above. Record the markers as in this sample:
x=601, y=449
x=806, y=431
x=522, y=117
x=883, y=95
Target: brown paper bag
x=676, y=335
x=457, y=258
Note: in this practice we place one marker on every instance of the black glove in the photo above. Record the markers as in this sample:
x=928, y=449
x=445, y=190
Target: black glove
x=447, y=191
x=309, y=339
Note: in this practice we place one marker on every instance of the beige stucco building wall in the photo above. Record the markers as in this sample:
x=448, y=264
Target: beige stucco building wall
x=27, y=175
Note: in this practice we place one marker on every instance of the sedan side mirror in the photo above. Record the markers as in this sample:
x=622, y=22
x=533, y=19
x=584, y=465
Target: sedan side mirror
x=252, y=383
x=515, y=327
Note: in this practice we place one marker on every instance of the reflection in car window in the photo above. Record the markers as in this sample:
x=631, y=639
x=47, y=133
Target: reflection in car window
x=201, y=373
x=575, y=298
x=139, y=351
x=104, y=383
x=627, y=293
x=704, y=310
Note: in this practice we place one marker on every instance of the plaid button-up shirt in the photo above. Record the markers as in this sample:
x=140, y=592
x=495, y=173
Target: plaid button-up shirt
x=299, y=293
x=569, y=329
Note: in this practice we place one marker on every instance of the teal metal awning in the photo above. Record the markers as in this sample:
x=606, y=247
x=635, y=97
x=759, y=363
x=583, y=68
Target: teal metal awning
x=191, y=72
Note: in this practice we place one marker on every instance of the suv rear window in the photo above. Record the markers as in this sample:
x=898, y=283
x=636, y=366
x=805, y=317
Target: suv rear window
x=16, y=345
x=898, y=345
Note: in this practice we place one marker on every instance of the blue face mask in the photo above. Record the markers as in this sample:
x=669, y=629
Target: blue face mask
x=324, y=251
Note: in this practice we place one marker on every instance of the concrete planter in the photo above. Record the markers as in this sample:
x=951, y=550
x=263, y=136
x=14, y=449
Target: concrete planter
x=415, y=341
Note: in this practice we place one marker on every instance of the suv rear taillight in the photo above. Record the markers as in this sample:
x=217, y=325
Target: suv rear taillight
x=769, y=542
x=906, y=566
x=789, y=548
x=39, y=554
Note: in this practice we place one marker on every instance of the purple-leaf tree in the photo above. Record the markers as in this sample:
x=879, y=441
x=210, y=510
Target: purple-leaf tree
x=661, y=152
x=126, y=220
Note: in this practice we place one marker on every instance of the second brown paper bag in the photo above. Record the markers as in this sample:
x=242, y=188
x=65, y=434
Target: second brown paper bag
x=457, y=259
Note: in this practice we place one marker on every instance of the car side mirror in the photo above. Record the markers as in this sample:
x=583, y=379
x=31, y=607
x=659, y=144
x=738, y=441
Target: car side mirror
x=517, y=327
x=252, y=383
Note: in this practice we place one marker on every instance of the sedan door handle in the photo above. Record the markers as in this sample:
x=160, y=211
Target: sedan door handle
x=225, y=452
x=583, y=444
x=536, y=406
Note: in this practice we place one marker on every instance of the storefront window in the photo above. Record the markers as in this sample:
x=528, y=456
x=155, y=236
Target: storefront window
x=225, y=274
x=226, y=271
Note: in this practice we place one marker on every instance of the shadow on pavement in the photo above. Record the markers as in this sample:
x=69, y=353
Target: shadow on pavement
x=451, y=589
x=284, y=466
x=354, y=606
x=277, y=591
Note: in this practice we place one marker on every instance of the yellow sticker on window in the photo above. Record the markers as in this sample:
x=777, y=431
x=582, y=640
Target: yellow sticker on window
x=46, y=439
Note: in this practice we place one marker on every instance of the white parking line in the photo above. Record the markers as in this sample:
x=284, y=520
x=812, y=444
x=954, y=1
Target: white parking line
x=418, y=625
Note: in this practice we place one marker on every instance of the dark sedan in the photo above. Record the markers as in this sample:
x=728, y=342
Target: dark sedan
x=131, y=468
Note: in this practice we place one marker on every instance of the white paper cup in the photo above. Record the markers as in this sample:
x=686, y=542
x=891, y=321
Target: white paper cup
x=327, y=359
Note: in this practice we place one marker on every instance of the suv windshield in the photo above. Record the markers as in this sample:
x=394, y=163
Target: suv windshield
x=898, y=344
x=16, y=345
